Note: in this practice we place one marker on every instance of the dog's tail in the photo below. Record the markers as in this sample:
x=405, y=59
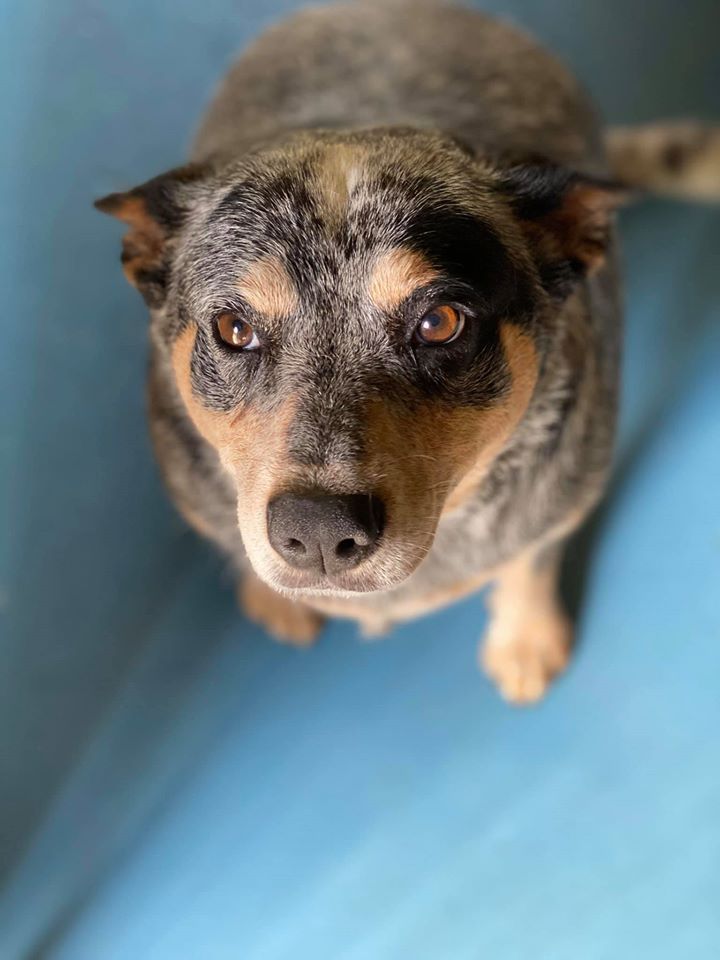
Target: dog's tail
x=679, y=159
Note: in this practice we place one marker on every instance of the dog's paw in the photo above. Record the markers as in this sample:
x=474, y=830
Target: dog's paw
x=523, y=663
x=374, y=628
x=286, y=620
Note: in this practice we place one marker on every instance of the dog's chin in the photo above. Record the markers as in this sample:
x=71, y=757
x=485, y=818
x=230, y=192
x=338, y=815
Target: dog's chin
x=296, y=585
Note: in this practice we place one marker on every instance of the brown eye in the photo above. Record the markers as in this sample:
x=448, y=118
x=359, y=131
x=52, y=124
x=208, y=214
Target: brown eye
x=440, y=325
x=236, y=332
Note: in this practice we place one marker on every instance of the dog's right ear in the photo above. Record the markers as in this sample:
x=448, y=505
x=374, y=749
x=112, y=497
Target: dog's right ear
x=155, y=211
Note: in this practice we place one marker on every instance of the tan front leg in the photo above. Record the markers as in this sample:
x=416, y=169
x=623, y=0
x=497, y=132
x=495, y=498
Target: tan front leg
x=529, y=637
x=286, y=620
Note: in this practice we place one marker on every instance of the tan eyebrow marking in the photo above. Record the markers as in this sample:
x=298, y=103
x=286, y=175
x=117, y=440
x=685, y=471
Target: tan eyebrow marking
x=396, y=274
x=268, y=288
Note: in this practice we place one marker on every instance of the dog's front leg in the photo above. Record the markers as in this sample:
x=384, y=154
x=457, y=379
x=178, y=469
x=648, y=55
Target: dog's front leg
x=289, y=621
x=529, y=636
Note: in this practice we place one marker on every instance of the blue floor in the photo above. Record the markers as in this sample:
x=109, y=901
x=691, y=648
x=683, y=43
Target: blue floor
x=175, y=787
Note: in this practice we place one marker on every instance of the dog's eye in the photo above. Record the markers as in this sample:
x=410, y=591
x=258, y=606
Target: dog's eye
x=440, y=325
x=236, y=332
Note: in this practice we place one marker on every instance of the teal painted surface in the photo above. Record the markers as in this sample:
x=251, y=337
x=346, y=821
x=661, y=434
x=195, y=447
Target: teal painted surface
x=174, y=786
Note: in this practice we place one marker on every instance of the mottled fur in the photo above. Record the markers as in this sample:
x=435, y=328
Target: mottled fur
x=359, y=162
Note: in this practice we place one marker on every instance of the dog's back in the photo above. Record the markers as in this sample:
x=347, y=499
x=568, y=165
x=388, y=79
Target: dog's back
x=414, y=62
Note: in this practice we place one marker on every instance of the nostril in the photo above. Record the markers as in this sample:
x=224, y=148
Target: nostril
x=295, y=546
x=346, y=548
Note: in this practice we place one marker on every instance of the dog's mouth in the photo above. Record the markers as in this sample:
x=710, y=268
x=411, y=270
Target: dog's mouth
x=330, y=586
x=384, y=572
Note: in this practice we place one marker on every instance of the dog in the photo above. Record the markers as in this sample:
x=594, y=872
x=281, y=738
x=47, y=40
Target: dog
x=385, y=325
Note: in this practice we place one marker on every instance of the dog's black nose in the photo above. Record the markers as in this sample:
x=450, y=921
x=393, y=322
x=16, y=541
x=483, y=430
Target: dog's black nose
x=320, y=532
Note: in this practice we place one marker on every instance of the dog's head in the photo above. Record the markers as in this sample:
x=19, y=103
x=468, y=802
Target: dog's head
x=355, y=325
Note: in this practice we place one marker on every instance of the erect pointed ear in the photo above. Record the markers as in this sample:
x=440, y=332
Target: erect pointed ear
x=154, y=211
x=566, y=218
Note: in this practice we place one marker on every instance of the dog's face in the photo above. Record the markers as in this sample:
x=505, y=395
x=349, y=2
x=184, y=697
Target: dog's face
x=355, y=324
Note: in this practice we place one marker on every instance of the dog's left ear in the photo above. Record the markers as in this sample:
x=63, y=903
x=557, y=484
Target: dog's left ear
x=155, y=211
x=566, y=218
